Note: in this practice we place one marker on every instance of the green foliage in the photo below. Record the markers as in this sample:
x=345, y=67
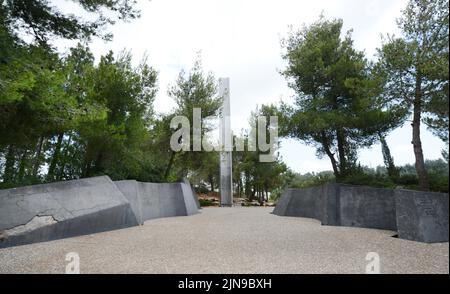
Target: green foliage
x=45, y=21
x=201, y=189
x=207, y=170
x=416, y=72
x=206, y=202
x=62, y=117
x=194, y=89
x=254, y=179
x=114, y=144
x=312, y=179
x=77, y=119
x=367, y=177
x=392, y=171
x=438, y=171
x=66, y=117
x=379, y=177
x=337, y=109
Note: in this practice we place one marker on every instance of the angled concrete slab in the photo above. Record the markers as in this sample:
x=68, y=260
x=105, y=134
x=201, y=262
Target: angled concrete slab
x=130, y=191
x=157, y=200
x=418, y=216
x=317, y=202
x=63, y=209
x=190, y=198
x=283, y=203
x=422, y=216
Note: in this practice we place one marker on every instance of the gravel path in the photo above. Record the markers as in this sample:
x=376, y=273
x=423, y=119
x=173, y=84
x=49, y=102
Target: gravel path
x=230, y=240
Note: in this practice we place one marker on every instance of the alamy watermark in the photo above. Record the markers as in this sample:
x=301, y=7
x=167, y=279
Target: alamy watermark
x=73, y=265
x=257, y=139
x=373, y=267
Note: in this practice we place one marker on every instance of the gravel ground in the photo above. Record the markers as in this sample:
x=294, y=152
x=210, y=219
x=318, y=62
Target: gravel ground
x=230, y=240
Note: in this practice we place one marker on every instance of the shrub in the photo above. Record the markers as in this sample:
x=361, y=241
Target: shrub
x=206, y=202
x=201, y=189
x=371, y=180
x=312, y=179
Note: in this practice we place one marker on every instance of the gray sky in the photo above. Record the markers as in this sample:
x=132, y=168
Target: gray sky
x=240, y=39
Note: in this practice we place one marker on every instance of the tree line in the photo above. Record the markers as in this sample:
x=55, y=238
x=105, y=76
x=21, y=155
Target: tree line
x=65, y=116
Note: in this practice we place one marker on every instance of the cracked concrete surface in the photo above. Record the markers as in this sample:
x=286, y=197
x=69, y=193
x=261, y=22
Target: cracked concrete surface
x=86, y=206
x=63, y=209
x=230, y=240
x=36, y=222
x=62, y=200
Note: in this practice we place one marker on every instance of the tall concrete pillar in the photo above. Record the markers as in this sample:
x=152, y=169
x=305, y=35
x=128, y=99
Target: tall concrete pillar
x=226, y=142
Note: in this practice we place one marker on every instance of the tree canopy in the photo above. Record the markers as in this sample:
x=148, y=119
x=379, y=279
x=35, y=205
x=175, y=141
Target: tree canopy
x=67, y=115
x=44, y=21
x=337, y=108
x=416, y=67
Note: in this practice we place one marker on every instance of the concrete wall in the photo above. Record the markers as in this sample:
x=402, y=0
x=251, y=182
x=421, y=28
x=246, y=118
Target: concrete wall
x=316, y=202
x=283, y=202
x=130, y=191
x=190, y=198
x=156, y=200
x=367, y=207
x=416, y=215
x=58, y=210
x=422, y=216
x=305, y=203
x=65, y=209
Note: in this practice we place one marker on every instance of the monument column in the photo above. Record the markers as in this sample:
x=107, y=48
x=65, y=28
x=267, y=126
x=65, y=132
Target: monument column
x=226, y=142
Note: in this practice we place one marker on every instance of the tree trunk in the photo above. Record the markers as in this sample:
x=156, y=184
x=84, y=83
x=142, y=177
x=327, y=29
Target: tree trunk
x=340, y=138
x=261, y=197
x=211, y=182
x=55, y=158
x=23, y=161
x=37, y=158
x=239, y=187
x=252, y=194
x=422, y=174
x=65, y=153
x=87, y=162
x=343, y=168
x=388, y=159
x=98, y=163
x=8, y=173
x=169, y=166
x=86, y=169
x=326, y=147
x=247, y=185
